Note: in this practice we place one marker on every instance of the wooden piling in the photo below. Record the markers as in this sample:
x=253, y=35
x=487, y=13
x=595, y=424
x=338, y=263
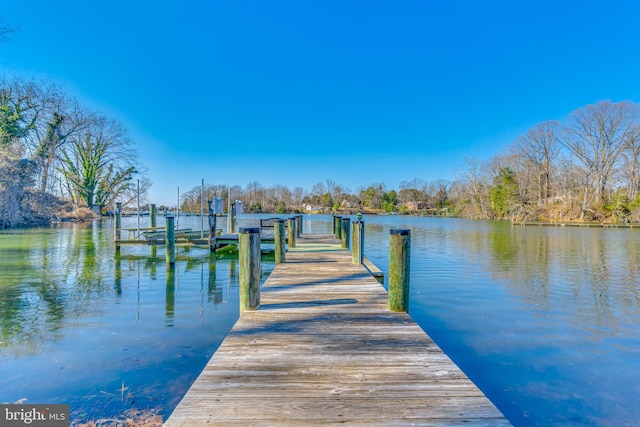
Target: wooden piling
x=231, y=216
x=153, y=223
x=212, y=227
x=116, y=227
x=399, y=263
x=291, y=225
x=278, y=236
x=153, y=215
x=170, y=241
x=298, y=225
x=338, y=227
x=345, y=232
x=249, y=260
x=357, y=242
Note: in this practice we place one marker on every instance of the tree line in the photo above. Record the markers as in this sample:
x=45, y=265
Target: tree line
x=585, y=168
x=327, y=196
x=58, y=155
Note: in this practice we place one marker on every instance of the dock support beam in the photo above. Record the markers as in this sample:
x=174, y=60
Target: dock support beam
x=171, y=242
x=337, y=226
x=357, y=242
x=399, y=262
x=249, y=260
x=291, y=224
x=278, y=235
x=345, y=231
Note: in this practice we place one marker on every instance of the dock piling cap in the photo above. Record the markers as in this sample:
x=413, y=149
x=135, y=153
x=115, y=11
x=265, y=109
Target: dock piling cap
x=400, y=231
x=249, y=230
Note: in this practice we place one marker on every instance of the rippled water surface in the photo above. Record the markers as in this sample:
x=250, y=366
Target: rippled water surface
x=545, y=320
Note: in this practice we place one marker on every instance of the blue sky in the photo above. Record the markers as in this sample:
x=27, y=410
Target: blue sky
x=296, y=92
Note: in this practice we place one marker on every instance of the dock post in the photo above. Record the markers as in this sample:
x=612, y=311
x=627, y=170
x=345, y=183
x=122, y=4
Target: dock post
x=153, y=222
x=249, y=260
x=344, y=232
x=153, y=215
x=116, y=227
x=291, y=224
x=399, y=262
x=357, y=242
x=298, y=225
x=170, y=238
x=231, y=217
x=212, y=227
x=338, y=227
x=278, y=235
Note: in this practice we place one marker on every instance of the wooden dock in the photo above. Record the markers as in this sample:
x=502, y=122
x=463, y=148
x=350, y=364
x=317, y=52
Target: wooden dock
x=324, y=349
x=587, y=224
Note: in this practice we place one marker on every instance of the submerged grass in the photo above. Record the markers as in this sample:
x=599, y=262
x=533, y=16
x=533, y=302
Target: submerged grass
x=130, y=418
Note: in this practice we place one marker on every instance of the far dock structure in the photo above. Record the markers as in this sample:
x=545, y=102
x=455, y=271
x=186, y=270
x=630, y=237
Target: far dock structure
x=320, y=346
x=587, y=224
x=212, y=237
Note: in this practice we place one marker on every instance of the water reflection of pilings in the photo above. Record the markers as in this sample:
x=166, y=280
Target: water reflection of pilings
x=214, y=289
x=170, y=296
x=117, y=275
x=213, y=292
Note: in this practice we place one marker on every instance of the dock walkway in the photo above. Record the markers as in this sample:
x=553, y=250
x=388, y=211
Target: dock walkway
x=323, y=349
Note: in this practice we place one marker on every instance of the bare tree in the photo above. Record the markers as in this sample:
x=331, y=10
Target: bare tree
x=597, y=135
x=318, y=189
x=5, y=30
x=297, y=195
x=475, y=189
x=540, y=146
x=99, y=163
x=631, y=164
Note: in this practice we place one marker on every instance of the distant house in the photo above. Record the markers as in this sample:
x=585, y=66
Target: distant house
x=415, y=206
x=309, y=208
x=347, y=204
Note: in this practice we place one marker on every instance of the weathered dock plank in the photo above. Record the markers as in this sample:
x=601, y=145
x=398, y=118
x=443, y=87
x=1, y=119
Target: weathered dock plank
x=323, y=349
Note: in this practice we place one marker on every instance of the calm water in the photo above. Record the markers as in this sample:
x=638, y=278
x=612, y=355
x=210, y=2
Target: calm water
x=545, y=320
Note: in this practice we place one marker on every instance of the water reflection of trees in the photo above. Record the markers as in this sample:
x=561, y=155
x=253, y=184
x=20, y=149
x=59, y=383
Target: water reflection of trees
x=55, y=278
x=590, y=274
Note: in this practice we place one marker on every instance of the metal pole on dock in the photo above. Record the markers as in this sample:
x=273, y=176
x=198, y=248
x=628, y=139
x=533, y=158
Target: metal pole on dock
x=171, y=242
x=344, y=232
x=249, y=260
x=278, y=236
x=357, y=242
x=138, y=211
x=178, y=208
x=399, y=263
x=116, y=227
x=291, y=225
x=202, y=210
